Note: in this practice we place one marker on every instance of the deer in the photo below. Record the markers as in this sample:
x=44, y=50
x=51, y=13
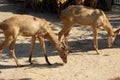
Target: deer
x=83, y=15
x=30, y=26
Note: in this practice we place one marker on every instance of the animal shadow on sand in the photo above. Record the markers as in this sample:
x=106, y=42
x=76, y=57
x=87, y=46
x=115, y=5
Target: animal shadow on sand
x=22, y=51
x=34, y=65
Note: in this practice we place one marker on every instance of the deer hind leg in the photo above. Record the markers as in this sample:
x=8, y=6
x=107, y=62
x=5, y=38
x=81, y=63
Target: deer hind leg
x=42, y=43
x=95, y=32
x=5, y=44
x=9, y=40
x=32, y=47
x=12, y=45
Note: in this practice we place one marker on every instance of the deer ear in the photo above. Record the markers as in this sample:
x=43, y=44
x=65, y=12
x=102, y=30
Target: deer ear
x=117, y=31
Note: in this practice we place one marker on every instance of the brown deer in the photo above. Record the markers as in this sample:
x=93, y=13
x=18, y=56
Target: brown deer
x=30, y=26
x=82, y=15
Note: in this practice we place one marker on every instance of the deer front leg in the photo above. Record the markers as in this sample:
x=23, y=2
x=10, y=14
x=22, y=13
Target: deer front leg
x=12, y=45
x=95, y=33
x=63, y=34
x=65, y=41
x=32, y=47
x=65, y=31
x=42, y=43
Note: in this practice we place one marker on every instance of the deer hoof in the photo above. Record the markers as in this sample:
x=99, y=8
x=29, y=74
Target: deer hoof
x=19, y=65
x=49, y=64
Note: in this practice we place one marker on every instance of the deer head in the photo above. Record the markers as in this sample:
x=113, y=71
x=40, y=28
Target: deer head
x=111, y=40
x=63, y=53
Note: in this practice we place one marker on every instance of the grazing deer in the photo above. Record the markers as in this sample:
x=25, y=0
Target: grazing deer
x=82, y=15
x=30, y=26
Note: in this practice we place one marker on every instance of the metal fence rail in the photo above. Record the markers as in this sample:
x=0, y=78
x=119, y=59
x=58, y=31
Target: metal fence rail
x=116, y=2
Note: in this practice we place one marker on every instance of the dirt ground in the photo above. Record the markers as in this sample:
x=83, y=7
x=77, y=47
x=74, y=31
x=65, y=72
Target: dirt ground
x=82, y=64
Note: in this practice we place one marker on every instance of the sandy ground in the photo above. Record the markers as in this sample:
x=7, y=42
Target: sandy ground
x=82, y=64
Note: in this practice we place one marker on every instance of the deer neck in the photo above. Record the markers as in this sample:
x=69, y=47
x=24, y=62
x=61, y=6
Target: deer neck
x=109, y=28
x=54, y=41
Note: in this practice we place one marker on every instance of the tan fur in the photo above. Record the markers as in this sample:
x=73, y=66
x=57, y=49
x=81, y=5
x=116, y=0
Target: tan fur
x=82, y=15
x=30, y=26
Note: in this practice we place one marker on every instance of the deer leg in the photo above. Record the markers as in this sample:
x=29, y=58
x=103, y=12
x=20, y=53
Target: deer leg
x=61, y=34
x=12, y=45
x=7, y=41
x=65, y=41
x=95, y=32
x=64, y=32
x=42, y=43
x=4, y=44
x=31, y=49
